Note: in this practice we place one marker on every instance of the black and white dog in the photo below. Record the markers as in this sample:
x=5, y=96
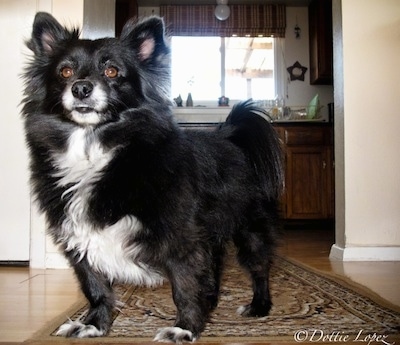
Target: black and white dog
x=131, y=197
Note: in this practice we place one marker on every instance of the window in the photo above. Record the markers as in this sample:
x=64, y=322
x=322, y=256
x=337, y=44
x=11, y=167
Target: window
x=235, y=67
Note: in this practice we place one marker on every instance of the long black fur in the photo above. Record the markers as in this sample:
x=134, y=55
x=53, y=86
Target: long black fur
x=192, y=191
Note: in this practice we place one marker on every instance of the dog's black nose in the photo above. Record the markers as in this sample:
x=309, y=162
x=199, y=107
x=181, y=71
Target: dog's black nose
x=82, y=89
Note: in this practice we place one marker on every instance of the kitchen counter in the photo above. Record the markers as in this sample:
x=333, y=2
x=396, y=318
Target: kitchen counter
x=316, y=122
x=205, y=115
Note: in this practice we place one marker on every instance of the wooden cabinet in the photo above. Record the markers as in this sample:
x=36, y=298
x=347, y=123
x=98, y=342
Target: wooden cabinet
x=321, y=42
x=309, y=182
x=124, y=10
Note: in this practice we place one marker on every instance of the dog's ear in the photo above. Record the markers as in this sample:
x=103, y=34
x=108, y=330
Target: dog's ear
x=147, y=37
x=47, y=32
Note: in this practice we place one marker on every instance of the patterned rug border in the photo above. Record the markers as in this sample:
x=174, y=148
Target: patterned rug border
x=44, y=337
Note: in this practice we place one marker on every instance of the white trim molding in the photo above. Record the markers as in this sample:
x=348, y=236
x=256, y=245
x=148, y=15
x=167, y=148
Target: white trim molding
x=365, y=253
x=56, y=261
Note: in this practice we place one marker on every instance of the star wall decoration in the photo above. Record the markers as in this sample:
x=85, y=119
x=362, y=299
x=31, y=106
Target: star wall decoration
x=297, y=71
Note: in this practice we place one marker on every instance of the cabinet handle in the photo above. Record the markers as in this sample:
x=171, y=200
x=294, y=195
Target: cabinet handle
x=323, y=165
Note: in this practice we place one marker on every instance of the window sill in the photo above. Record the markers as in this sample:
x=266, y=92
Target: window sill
x=201, y=114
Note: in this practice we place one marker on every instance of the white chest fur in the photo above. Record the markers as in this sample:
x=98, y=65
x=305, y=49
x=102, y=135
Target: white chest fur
x=109, y=250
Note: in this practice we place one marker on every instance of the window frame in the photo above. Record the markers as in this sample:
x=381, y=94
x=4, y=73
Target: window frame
x=279, y=75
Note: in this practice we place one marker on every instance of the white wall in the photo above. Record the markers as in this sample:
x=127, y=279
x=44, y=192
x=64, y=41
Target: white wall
x=99, y=19
x=371, y=140
x=301, y=92
x=14, y=191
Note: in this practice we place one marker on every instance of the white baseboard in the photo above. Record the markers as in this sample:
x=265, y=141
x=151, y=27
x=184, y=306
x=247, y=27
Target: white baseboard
x=365, y=253
x=56, y=260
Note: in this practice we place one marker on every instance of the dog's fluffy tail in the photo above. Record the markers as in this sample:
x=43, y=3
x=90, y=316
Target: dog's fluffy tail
x=252, y=131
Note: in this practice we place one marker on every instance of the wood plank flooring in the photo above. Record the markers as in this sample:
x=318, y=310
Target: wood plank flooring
x=30, y=298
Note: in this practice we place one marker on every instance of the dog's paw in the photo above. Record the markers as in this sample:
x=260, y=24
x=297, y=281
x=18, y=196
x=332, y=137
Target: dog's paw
x=250, y=311
x=174, y=335
x=76, y=329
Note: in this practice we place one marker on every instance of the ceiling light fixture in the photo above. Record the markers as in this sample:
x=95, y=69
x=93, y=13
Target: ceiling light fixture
x=222, y=10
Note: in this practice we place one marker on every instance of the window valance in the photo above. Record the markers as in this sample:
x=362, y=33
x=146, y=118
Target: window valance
x=244, y=20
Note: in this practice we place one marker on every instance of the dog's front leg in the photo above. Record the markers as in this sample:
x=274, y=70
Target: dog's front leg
x=101, y=298
x=190, y=292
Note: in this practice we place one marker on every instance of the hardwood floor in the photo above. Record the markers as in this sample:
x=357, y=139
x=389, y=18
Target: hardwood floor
x=312, y=247
x=30, y=298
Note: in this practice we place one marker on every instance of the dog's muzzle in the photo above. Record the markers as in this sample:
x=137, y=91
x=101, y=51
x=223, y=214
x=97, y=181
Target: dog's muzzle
x=85, y=102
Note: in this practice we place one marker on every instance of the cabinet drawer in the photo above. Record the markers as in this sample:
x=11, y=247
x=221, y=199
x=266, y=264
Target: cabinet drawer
x=299, y=137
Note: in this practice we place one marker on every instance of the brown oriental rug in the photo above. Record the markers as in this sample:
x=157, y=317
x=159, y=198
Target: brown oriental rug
x=308, y=307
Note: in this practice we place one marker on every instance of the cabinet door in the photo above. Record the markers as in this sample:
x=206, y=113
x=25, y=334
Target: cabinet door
x=320, y=42
x=308, y=178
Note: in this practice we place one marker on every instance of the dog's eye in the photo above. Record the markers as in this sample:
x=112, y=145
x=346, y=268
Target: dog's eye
x=111, y=72
x=66, y=72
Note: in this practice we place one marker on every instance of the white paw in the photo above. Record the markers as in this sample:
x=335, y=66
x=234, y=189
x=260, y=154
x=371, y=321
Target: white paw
x=174, y=335
x=241, y=310
x=77, y=329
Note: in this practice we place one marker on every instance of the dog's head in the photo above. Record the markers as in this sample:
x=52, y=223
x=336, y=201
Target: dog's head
x=91, y=82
